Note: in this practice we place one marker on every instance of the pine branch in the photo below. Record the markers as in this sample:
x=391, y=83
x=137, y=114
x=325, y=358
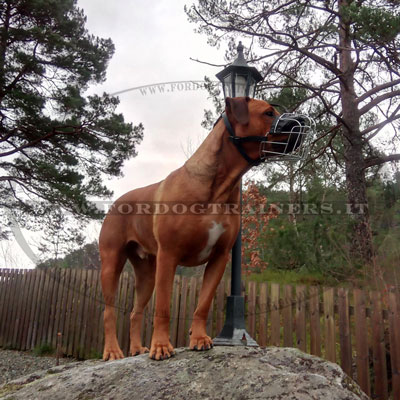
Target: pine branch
x=377, y=89
x=374, y=161
x=41, y=139
x=378, y=127
x=378, y=100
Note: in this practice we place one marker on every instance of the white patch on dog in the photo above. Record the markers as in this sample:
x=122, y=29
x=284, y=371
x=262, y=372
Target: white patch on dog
x=214, y=234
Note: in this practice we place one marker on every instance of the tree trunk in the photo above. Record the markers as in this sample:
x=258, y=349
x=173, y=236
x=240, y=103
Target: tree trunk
x=361, y=241
x=3, y=48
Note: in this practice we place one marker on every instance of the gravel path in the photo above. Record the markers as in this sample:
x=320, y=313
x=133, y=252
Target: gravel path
x=14, y=364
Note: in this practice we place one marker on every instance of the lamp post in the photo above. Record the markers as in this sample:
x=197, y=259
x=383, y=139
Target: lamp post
x=238, y=79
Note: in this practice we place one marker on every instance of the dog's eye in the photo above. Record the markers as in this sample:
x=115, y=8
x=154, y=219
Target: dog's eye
x=269, y=113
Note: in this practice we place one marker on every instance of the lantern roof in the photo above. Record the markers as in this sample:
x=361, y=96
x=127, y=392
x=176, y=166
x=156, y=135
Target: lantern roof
x=240, y=65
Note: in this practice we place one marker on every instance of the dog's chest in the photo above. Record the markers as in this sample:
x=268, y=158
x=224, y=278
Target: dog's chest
x=214, y=233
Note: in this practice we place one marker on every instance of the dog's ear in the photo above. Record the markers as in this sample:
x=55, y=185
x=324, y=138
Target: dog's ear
x=238, y=108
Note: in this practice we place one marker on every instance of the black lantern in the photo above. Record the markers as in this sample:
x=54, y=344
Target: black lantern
x=238, y=80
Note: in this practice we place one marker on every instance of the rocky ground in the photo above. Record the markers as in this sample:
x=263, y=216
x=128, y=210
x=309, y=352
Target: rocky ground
x=237, y=373
x=14, y=364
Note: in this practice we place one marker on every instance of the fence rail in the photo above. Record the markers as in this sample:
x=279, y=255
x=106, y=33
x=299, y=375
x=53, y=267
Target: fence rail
x=357, y=329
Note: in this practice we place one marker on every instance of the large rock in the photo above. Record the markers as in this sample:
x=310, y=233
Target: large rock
x=221, y=373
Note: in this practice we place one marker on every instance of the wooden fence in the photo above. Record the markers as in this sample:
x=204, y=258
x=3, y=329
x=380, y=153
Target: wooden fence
x=359, y=330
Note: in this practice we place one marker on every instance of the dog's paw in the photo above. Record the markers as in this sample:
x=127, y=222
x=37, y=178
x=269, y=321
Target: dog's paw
x=112, y=353
x=161, y=351
x=200, y=343
x=137, y=350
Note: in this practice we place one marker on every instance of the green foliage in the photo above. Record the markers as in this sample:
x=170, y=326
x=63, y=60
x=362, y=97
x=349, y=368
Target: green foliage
x=384, y=204
x=309, y=236
x=287, y=97
x=43, y=349
x=375, y=24
x=311, y=244
x=56, y=144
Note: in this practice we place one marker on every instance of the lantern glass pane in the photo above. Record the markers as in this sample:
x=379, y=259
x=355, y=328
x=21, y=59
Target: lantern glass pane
x=240, y=85
x=227, y=84
x=252, y=88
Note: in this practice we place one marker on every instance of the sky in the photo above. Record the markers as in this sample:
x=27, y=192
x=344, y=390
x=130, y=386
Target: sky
x=154, y=43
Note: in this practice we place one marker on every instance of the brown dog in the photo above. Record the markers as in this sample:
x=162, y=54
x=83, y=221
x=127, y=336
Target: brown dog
x=156, y=242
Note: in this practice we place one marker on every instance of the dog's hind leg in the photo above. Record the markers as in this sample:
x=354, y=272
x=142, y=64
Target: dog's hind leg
x=112, y=263
x=145, y=272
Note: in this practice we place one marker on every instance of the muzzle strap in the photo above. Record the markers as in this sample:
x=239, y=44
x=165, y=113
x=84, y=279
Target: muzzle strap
x=237, y=141
x=297, y=130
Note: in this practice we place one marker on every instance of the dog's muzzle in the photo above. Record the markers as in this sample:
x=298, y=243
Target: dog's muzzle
x=289, y=138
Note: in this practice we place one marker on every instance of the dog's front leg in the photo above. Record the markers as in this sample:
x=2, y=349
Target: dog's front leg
x=199, y=340
x=161, y=346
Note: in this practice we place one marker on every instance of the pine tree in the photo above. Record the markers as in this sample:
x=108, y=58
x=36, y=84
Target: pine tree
x=344, y=54
x=56, y=144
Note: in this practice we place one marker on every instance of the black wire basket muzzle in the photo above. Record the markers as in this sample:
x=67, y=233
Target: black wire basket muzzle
x=289, y=138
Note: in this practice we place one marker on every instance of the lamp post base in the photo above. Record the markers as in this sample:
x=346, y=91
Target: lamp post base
x=234, y=331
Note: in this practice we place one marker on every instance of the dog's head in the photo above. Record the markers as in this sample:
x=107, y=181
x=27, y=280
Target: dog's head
x=268, y=133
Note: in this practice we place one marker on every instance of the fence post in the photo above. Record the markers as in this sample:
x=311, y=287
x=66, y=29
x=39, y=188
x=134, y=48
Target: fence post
x=263, y=305
x=344, y=329
x=301, y=317
x=378, y=348
x=58, y=353
x=315, y=323
x=251, y=309
x=287, y=316
x=182, y=328
x=330, y=340
x=361, y=341
x=394, y=333
x=275, y=317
